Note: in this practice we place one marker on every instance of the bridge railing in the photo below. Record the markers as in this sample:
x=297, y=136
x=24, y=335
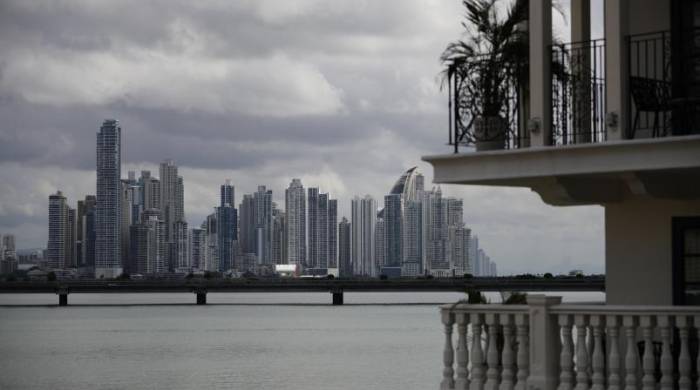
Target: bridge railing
x=551, y=346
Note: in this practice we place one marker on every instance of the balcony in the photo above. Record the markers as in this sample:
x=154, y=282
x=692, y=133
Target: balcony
x=659, y=104
x=548, y=345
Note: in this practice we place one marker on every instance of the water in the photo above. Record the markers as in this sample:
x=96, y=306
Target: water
x=248, y=341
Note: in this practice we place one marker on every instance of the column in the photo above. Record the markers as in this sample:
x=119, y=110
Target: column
x=540, y=28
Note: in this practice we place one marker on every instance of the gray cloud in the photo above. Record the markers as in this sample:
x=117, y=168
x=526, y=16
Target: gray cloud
x=342, y=94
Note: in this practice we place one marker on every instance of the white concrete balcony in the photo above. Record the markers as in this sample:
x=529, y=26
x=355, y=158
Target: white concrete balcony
x=552, y=346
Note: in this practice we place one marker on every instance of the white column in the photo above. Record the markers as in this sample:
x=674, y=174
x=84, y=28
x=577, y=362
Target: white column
x=616, y=66
x=540, y=28
x=544, y=342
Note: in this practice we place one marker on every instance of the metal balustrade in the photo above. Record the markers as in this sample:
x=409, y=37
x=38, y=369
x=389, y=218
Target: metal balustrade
x=550, y=346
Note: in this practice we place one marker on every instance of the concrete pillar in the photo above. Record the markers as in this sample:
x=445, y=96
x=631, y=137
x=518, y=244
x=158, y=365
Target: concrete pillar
x=616, y=68
x=540, y=28
x=201, y=296
x=337, y=297
x=544, y=343
x=580, y=20
x=580, y=58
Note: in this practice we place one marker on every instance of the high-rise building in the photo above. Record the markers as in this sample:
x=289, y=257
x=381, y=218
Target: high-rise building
x=459, y=238
x=322, y=220
x=108, y=205
x=148, y=244
x=313, y=227
x=333, y=233
x=380, y=244
x=212, y=255
x=8, y=254
x=246, y=230
x=412, y=234
x=263, y=225
x=227, y=194
x=392, y=230
x=226, y=231
x=362, y=247
x=198, y=248
x=61, y=227
x=435, y=233
x=295, y=205
x=86, y=235
x=474, y=255
x=279, y=232
x=126, y=203
x=172, y=207
x=344, y=234
x=181, y=240
x=150, y=191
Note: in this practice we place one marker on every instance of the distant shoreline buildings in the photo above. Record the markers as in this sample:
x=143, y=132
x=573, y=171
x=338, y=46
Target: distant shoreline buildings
x=138, y=227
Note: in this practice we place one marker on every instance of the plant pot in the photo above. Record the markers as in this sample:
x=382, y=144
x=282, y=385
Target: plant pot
x=490, y=133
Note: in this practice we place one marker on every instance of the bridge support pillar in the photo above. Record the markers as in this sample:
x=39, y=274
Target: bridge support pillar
x=337, y=297
x=62, y=296
x=201, y=296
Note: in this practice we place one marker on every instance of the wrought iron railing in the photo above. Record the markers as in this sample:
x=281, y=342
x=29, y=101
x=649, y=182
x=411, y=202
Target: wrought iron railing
x=578, y=92
x=664, y=75
x=466, y=101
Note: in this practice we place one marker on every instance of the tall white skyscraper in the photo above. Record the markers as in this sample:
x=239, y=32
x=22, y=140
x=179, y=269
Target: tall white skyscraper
x=363, y=223
x=108, y=206
x=295, y=205
x=172, y=207
x=263, y=224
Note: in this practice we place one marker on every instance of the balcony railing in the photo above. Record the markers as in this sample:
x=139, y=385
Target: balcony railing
x=466, y=100
x=660, y=105
x=548, y=345
x=578, y=92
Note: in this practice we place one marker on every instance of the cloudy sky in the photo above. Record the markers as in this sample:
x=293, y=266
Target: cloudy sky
x=343, y=94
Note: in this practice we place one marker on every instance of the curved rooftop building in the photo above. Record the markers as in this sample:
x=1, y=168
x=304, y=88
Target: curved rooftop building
x=408, y=185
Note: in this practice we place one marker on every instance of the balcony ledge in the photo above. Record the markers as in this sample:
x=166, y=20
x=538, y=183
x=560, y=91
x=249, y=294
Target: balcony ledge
x=600, y=173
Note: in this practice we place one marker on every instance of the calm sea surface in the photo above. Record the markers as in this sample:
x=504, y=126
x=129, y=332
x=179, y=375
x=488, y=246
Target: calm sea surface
x=240, y=341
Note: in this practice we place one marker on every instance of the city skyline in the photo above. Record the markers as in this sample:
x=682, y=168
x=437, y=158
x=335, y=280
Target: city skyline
x=367, y=112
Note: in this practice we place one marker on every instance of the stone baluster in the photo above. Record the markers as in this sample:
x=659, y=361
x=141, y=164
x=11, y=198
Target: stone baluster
x=492, y=355
x=597, y=357
x=566, y=357
x=614, y=376
x=508, y=356
x=523, y=356
x=665, y=322
x=648, y=361
x=448, y=382
x=581, y=352
x=684, y=383
x=462, y=382
x=631, y=357
x=477, y=358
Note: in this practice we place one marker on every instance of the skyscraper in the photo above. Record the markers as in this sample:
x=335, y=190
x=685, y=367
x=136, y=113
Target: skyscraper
x=226, y=231
x=59, y=247
x=333, y=233
x=198, y=248
x=172, y=206
x=295, y=205
x=126, y=203
x=279, y=241
x=263, y=224
x=392, y=230
x=314, y=231
x=412, y=234
x=181, y=237
x=108, y=210
x=227, y=194
x=246, y=230
x=148, y=244
x=150, y=191
x=363, y=220
x=86, y=217
x=344, y=234
x=212, y=254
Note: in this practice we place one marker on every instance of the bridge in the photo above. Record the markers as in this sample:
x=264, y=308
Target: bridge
x=336, y=287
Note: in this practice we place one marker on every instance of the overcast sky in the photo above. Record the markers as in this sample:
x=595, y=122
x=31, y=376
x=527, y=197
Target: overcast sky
x=343, y=94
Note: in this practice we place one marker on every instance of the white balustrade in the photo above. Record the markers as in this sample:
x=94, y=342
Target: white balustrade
x=599, y=347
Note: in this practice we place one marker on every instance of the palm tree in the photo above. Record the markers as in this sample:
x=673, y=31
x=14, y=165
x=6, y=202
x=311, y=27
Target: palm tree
x=488, y=69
